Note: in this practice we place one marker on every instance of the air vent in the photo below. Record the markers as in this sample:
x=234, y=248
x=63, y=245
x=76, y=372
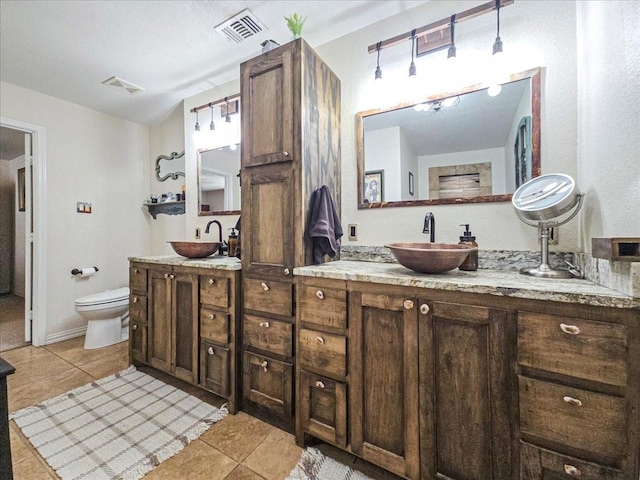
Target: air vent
x=240, y=27
x=123, y=86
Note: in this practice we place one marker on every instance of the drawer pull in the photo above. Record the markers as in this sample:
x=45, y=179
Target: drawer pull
x=571, y=470
x=211, y=281
x=210, y=351
x=211, y=316
x=408, y=304
x=287, y=271
x=572, y=401
x=265, y=324
x=135, y=327
x=135, y=270
x=172, y=276
x=570, y=329
x=166, y=275
x=135, y=299
x=265, y=287
x=319, y=384
x=264, y=365
x=285, y=153
x=320, y=340
x=424, y=309
x=320, y=294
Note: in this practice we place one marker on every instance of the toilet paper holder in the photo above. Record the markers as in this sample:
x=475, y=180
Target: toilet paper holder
x=78, y=271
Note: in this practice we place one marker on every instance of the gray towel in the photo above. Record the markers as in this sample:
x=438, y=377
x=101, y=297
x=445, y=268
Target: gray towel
x=324, y=229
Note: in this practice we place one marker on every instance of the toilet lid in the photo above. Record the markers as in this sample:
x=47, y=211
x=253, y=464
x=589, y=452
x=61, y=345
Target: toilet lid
x=108, y=296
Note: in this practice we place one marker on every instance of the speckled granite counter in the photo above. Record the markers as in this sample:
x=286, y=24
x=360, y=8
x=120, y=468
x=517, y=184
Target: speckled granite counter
x=217, y=261
x=493, y=282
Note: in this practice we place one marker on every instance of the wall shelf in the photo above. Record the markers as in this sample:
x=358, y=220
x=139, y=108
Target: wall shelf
x=169, y=208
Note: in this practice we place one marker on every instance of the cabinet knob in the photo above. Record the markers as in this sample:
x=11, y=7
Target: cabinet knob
x=211, y=316
x=285, y=154
x=572, y=401
x=211, y=281
x=571, y=470
x=134, y=327
x=320, y=294
x=265, y=324
x=166, y=275
x=135, y=299
x=320, y=340
x=319, y=384
x=287, y=271
x=264, y=365
x=265, y=287
x=210, y=351
x=135, y=270
x=172, y=276
x=424, y=309
x=408, y=304
x=570, y=329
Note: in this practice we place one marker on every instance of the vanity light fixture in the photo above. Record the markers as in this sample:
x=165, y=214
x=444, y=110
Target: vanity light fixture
x=197, y=123
x=494, y=90
x=497, y=45
x=378, y=69
x=212, y=126
x=412, y=67
x=451, y=53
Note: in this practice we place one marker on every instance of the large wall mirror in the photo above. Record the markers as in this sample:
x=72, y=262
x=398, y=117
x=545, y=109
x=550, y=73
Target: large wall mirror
x=219, y=181
x=470, y=146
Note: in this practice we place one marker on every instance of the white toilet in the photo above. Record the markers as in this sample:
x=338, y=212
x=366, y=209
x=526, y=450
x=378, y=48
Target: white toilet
x=108, y=317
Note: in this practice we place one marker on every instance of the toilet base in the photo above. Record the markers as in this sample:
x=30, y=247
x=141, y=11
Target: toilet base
x=102, y=333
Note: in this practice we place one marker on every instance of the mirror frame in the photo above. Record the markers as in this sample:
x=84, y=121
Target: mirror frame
x=172, y=175
x=534, y=74
x=208, y=213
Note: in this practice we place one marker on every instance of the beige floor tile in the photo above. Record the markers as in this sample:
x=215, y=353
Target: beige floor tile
x=237, y=435
x=23, y=355
x=21, y=449
x=36, y=392
x=38, y=369
x=107, y=365
x=32, y=469
x=275, y=457
x=243, y=473
x=197, y=461
x=74, y=352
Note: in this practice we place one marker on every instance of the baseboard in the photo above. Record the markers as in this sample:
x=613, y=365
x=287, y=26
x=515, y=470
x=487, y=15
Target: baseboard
x=66, y=335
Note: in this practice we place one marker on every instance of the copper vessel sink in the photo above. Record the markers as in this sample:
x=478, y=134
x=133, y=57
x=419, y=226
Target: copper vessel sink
x=430, y=257
x=195, y=248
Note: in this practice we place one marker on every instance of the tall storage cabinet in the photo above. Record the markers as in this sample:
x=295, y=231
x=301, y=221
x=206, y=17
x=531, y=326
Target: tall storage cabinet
x=290, y=147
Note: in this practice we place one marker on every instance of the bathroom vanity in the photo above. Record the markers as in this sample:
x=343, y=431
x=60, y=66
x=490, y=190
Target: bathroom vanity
x=485, y=374
x=183, y=320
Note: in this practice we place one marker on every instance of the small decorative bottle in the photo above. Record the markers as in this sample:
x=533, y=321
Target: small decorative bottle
x=470, y=263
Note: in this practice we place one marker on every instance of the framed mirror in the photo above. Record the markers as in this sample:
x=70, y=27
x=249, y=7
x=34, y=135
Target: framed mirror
x=219, y=181
x=170, y=166
x=468, y=146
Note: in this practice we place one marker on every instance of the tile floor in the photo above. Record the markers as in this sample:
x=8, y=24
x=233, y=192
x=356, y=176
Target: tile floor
x=239, y=447
x=11, y=322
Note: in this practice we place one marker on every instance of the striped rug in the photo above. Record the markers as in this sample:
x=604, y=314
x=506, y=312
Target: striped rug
x=119, y=427
x=314, y=465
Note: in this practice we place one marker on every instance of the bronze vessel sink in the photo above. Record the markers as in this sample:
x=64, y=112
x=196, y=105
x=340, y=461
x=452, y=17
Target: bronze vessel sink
x=194, y=248
x=430, y=257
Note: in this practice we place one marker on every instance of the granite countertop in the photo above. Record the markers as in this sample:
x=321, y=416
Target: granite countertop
x=219, y=262
x=486, y=281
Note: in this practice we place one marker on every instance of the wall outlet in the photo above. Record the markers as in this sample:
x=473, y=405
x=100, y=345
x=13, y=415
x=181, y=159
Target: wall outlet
x=353, y=232
x=197, y=233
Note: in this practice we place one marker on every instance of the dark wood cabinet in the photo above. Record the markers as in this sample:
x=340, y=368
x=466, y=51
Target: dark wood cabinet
x=138, y=329
x=290, y=148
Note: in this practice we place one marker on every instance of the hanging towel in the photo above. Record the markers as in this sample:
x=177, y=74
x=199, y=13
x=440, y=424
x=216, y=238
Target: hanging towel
x=324, y=229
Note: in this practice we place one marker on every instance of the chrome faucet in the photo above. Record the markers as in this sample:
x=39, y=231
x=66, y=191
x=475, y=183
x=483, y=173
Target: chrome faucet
x=206, y=230
x=430, y=226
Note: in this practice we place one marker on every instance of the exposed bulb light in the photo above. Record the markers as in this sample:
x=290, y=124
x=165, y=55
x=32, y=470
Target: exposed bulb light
x=233, y=146
x=227, y=118
x=197, y=123
x=212, y=126
x=494, y=90
x=378, y=69
x=451, y=53
x=450, y=101
x=497, y=45
x=412, y=67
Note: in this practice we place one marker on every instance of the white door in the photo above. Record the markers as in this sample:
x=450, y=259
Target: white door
x=28, y=251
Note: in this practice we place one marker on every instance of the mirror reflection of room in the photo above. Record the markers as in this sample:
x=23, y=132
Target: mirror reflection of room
x=218, y=179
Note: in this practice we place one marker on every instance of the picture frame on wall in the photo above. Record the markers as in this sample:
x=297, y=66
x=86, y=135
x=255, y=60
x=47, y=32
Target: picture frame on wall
x=21, y=190
x=374, y=186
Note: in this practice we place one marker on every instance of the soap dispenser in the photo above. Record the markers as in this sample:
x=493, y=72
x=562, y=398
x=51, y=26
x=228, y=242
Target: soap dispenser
x=470, y=263
x=233, y=242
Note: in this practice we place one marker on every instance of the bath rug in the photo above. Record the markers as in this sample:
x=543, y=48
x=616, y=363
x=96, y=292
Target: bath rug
x=119, y=427
x=314, y=465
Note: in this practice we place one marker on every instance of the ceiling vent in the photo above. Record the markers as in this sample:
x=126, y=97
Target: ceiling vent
x=240, y=27
x=123, y=86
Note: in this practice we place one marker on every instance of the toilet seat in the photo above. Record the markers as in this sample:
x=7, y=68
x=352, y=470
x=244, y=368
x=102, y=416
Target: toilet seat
x=114, y=297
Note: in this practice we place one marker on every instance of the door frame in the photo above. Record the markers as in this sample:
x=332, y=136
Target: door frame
x=36, y=277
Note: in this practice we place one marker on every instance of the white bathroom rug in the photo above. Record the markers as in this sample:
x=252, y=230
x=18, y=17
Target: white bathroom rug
x=118, y=427
x=314, y=465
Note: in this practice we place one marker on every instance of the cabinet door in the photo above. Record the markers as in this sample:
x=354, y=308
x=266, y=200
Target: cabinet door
x=159, y=315
x=384, y=382
x=268, y=383
x=323, y=408
x=138, y=341
x=465, y=411
x=267, y=108
x=214, y=368
x=184, y=301
x=267, y=236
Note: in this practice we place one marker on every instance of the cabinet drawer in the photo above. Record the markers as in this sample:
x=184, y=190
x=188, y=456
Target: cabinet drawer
x=323, y=408
x=322, y=351
x=138, y=280
x=323, y=306
x=268, y=383
x=593, y=423
x=138, y=341
x=214, y=368
x=214, y=290
x=268, y=296
x=571, y=346
x=138, y=308
x=267, y=334
x=214, y=325
x=539, y=463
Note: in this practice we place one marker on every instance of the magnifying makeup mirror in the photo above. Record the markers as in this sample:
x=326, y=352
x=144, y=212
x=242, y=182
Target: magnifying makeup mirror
x=539, y=201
